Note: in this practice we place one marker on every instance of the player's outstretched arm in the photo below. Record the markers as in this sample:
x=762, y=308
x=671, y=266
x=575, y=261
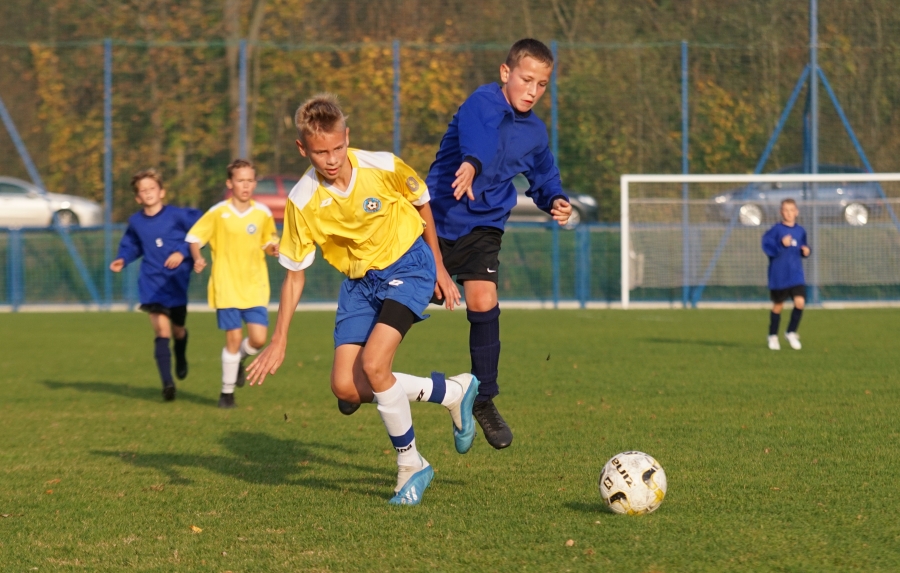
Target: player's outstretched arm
x=445, y=289
x=270, y=359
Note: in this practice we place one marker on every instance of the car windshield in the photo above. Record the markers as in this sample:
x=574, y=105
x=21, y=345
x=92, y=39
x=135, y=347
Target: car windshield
x=266, y=187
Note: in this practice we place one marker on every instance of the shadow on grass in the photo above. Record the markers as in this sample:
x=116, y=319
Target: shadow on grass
x=132, y=392
x=592, y=508
x=258, y=458
x=726, y=343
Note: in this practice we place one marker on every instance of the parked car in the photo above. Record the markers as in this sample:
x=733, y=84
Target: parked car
x=23, y=204
x=584, y=207
x=760, y=203
x=272, y=191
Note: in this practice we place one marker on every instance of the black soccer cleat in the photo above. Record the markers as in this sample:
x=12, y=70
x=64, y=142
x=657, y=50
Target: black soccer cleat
x=226, y=401
x=168, y=393
x=181, y=367
x=492, y=423
x=242, y=375
x=347, y=408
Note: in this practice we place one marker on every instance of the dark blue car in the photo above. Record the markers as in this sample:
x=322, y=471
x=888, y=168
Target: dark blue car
x=760, y=203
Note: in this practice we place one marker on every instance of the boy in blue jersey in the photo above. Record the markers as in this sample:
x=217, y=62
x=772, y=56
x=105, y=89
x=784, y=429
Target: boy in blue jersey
x=157, y=234
x=493, y=137
x=785, y=245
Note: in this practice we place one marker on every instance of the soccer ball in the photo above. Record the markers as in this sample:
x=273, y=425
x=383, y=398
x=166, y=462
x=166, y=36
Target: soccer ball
x=632, y=483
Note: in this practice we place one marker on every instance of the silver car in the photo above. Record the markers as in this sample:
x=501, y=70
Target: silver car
x=584, y=207
x=23, y=204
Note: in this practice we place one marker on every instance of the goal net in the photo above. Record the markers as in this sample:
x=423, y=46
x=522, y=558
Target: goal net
x=693, y=238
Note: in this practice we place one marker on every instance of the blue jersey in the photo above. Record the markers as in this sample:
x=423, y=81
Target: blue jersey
x=785, y=263
x=155, y=238
x=501, y=143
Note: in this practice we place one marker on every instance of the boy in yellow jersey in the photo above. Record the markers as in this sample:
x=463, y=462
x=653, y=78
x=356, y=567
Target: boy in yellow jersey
x=240, y=232
x=370, y=215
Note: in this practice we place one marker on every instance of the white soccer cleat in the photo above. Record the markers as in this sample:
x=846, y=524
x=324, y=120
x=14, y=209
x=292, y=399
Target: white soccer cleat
x=773, y=342
x=461, y=412
x=794, y=339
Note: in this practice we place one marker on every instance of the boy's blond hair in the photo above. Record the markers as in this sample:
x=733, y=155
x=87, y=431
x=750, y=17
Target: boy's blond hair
x=146, y=174
x=239, y=164
x=529, y=48
x=788, y=201
x=319, y=114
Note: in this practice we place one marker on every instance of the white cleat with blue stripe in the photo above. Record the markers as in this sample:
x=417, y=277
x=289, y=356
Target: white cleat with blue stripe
x=412, y=481
x=461, y=412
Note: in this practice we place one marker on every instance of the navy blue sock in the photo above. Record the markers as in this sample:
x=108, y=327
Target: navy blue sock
x=181, y=346
x=439, y=387
x=163, y=360
x=796, y=315
x=484, y=346
x=774, y=321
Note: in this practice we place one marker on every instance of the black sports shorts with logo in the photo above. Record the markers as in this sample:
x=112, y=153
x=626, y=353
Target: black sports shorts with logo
x=782, y=294
x=473, y=257
x=177, y=314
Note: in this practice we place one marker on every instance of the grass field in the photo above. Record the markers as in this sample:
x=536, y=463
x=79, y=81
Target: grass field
x=784, y=461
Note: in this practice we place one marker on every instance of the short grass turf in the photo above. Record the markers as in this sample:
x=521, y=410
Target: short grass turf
x=776, y=461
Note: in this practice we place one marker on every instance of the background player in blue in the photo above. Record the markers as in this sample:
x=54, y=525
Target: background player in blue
x=785, y=245
x=157, y=233
x=492, y=138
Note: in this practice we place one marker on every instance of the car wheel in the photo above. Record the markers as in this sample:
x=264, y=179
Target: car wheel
x=750, y=215
x=856, y=214
x=574, y=219
x=66, y=218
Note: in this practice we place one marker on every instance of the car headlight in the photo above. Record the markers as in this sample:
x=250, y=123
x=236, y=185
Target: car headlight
x=721, y=199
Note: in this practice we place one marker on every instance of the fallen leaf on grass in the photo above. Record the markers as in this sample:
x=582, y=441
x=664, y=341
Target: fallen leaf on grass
x=48, y=492
x=570, y=543
x=4, y=515
x=53, y=481
x=195, y=529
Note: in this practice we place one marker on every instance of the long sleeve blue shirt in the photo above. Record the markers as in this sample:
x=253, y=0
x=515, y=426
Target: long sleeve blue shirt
x=501, y=143
x=155, y=238
x=785, y=263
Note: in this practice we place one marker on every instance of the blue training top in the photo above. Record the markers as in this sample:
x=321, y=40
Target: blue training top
x=785, y=263
x=501, y=143
x=155, y=238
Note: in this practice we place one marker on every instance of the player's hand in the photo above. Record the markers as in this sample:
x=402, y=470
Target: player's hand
x=445, y=289
x=463, y=184
x=199, y=265
x=174, y=260
x=786, y=240
x=268, y=362
x=117, y=265
x=561, y=211
x=805, y=250
x=272, y=249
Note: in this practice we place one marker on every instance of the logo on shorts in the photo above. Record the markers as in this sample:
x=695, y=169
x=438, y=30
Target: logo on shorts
x=372, y=205
x=396, y=282
x=158, y=242
x=492, y=270
x=412, y=183
x=251, y=228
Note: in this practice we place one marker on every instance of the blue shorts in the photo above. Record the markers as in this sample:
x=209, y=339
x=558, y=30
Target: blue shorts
x=230, y=318
x=409, y=281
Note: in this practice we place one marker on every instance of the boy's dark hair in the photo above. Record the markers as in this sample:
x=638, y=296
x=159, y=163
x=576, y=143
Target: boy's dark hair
x=240, y=164
x=788, y=202
x=146, y=174
x=529, y=47
x=319, y=114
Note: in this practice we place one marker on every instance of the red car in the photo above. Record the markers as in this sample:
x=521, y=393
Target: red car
x=272, y=191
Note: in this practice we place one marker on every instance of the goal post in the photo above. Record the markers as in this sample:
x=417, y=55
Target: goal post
x=686, y=237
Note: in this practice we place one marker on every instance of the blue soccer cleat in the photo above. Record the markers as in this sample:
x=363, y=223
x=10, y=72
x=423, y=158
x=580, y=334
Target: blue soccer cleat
x=410, y=491
x=461, y=412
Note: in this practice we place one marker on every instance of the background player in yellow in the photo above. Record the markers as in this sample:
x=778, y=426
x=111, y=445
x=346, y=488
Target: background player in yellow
x=368, y=212
x=240, y=232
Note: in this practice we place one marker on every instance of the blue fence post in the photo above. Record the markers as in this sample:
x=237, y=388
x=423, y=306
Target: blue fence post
x=555, y=260
x=814, y=140
x=685, y=210
x=396, y=48
x=242, y=104
x=15, y=287
x=554, y=103
x=107, y=170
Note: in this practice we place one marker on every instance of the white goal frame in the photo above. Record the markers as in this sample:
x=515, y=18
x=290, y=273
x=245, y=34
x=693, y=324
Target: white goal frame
x=724, y=178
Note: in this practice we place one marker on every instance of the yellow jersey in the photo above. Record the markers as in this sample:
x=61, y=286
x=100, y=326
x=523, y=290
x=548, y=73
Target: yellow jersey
x=368, y=226
x=239, y=278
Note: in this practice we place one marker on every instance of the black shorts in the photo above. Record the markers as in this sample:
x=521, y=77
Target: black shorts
x=473, y=257
x=177, y=314
x=783, y=294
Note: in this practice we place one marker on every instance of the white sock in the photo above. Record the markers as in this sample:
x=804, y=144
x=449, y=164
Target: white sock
x=247, y=349
x=230, y=363
x=394, y=409
x=420, y=389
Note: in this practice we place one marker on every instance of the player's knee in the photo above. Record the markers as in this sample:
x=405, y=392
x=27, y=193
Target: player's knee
x=257, y=341
x=799, y=303
x=343, y=388
x=376, y=369
x=481, y=298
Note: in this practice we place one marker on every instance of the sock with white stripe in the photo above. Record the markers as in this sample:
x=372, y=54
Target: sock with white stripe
x=394, y=409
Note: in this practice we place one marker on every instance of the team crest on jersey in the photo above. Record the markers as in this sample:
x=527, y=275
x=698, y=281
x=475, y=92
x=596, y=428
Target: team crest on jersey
x=158, y=242
x=251, y=228
x=412, y=183
x=372, y=205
